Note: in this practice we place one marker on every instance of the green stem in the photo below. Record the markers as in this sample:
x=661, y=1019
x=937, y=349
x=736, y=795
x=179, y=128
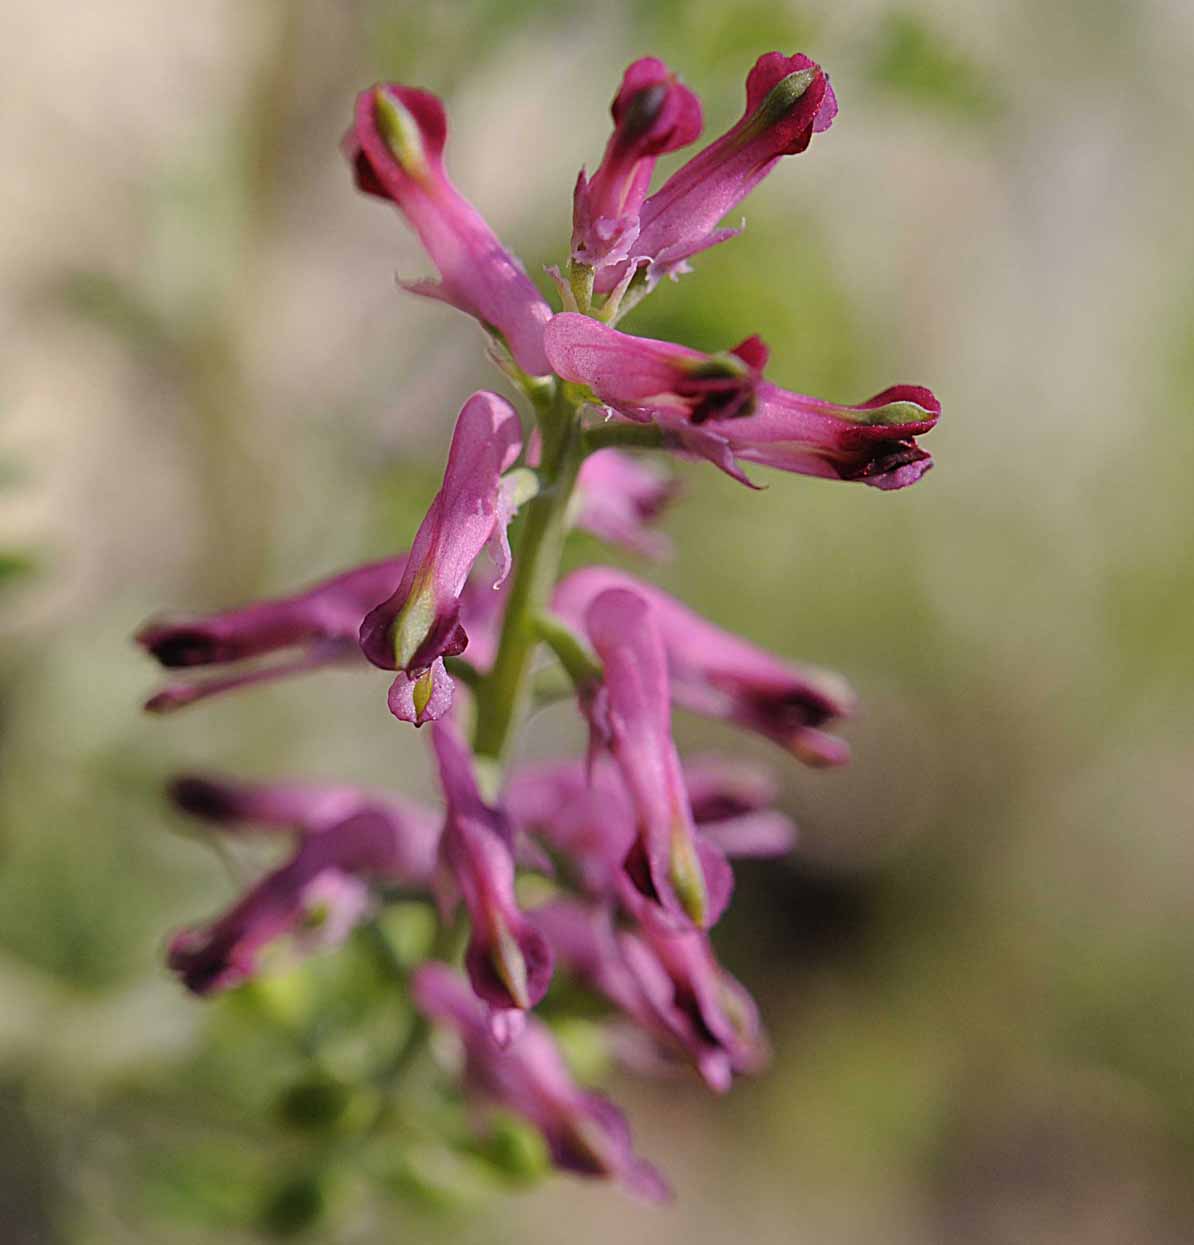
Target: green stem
x=504, y=695
x=625, y=436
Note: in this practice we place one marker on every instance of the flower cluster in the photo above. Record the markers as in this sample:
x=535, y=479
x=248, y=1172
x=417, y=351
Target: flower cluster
x=632, y=844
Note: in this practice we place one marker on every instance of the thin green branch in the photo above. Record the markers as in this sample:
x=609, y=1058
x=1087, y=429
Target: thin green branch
x=623, y=436
x=578, y=660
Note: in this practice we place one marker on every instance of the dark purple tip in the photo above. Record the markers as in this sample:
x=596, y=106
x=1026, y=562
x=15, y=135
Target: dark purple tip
x=206, y=798
x=183, y=645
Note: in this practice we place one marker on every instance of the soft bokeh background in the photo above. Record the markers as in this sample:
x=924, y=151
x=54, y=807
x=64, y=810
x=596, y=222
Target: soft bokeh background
x=977, y=967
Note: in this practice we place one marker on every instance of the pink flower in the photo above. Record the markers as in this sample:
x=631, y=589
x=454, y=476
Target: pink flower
x=619, y=497
x=584, y=816
x=396, y=147
x=344, y=841
x=420, y=623
x=706, y=1011
x=669, y=983
x=788, y=99
x=585, y=1133
x=720, y=408
x=874, y=442
x=508, y=960
x=685, y=879
x=317, y=627
x=653, y=114
x=645, y=379
x=720, y=675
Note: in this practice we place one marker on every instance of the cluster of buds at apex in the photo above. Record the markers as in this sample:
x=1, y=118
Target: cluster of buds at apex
x=667, y=982
x=395, y=146
x=311, y=629
x=720, y=408
x=653, y=114
x=718, y=674
x=617, y=499
x=585, y=1133
x=788, y=100
x=687, y=880
x=508, y=960
x=420, y=624
x=584, y=818
x=344, y=841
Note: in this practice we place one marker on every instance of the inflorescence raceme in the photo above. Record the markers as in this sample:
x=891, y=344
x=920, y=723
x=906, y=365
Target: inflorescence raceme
x=634, y=841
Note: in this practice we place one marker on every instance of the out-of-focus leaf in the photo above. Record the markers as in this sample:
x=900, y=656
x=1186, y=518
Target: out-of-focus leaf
x=15, y=565
x=912, y=61
x=104, y=300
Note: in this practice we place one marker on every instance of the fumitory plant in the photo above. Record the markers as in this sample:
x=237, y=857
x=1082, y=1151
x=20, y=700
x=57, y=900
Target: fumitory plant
x=607, y=870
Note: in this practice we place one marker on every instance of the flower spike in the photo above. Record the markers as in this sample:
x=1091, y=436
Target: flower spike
x=419, y=624
x=396, y=147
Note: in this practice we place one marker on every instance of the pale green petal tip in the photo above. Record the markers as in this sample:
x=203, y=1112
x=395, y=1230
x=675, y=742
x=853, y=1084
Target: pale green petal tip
x=401, y=132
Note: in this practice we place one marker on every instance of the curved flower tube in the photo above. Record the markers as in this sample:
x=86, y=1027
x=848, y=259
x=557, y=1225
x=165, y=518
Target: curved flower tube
x=420, y=623
x=314, y=628
x=396, y=147
x=508, y=960
x=687, y=880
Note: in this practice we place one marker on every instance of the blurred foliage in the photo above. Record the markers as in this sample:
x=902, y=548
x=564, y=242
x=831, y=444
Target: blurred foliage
x=913, y=62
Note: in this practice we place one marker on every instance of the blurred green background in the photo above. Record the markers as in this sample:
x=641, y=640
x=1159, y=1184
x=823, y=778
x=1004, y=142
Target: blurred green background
x=977, y=967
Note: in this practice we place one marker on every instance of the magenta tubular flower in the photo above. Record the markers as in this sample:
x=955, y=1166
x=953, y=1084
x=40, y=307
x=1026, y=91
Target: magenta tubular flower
x=585, y=1133
x=315, y=628
x=644, y=379
x=788, y=100
x=584, y=817
x=874, y=442
x=396, y=147
x=687, y=880
x=720, y=408
x=420, y=623
x=619, y=497
x=703, y=1008
x=668, y=983
x=720, y=675
x=508, y=960
x=653, y=114
x=321, y=892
